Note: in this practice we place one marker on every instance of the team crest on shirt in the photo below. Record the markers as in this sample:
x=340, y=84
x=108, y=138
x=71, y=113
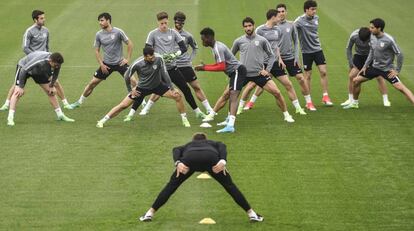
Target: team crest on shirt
x=154, y=67
x=256, y=43
x=316, y=22
x=382, y=44
x=288, y=30
x=169, y=37
x=112, y=36
x=44, y=35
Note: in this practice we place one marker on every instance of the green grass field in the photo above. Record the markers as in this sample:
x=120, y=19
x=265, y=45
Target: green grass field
x=331, y=170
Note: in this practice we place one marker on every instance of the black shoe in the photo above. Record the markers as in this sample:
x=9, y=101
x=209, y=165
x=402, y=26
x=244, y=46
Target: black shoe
x=145, y=218
x=257, y=218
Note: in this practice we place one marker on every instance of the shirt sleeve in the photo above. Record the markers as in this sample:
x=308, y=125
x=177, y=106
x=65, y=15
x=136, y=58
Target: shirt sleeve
x=272, y=57
x=150, y=39
x=236, y=47
x=194, y=47
x=26, y=42
x=97, y=43
x=164, y=73
x=351, y=42
x=124, y=37
x=218, y=54
x=222, y=149
x=177, y=153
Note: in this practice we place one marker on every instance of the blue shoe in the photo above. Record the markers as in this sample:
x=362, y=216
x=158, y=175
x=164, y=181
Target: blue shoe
x=226, y=129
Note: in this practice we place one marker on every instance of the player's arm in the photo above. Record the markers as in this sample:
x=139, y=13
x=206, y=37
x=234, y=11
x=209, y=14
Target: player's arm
x=295, y=39
x=235, y=48
x=128, y=75
x=165, y=77
x=26, y=42
x=348, y=51
x=221, y=164
x=272, y=58
x=194, y=47
x=55, y=76
x=47, y=41
x=400, y=56
x=220, y=64
x=130, y=47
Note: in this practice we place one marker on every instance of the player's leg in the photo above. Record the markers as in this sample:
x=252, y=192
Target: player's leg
x=382, y=87
x=284, y=80
x=397, y=84
x=124, y=104
x=86, y=92
x=61, y=93
x=324, y=83
x=271, y=87
x=221, y=102
x=353, y=72
x=6, y=104
x=244, y=96
x=357, y=81
x=201, y=96
x=55, y=104
x=176, y=96
x=13, y=103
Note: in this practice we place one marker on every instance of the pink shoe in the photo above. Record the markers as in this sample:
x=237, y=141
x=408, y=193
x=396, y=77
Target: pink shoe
x=326, y=100
x=249, y=105
x=310, y=106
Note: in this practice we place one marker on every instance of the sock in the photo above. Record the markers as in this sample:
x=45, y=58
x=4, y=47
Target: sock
x=65, y=102
x=355, y=101
x=131, y=112
x=106, y=118
x=232, y=119
x=325, y=94
x=241, y=103
x=253, y=99
x=252, y=213
x=11, y=115
x=197, y=110
x=7, y=102
x=183, y=115
x=286, y=113
x=149, y=213
x=212, y=113
x=296, y=103
x=59, y=112
x=207, y=106
x=385, y=98
x=81, y=99
x=350, y=97
x=308, y=98
x=148, y=105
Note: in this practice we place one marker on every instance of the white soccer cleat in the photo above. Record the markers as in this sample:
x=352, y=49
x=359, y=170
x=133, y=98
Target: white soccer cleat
x=387, y=103
x=209, y=118
x=289, y=119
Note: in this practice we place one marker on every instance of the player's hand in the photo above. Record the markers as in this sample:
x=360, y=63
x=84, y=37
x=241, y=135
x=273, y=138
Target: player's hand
x=19, y=91
x=135, y=93
x=52, y=91
x=282, y=64
x=362, y=71
x=220, y=166
x=392, y=73
x=264, y=73
x=296, y=63
x=199, y=67
x=123, y=62
x=182, y=168
x=105, y=69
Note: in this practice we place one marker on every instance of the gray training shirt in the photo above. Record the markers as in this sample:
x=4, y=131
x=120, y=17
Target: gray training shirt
x=35, y=64
x=289, y=41
x=382, y=53
x=222, y=54
x=35, y=39
x=272, y=34
x=111, y=43
x=361, y=47
x=185, y=60
x=164, y=43
x=308, y=33
x=151, y=75
x=253, y=50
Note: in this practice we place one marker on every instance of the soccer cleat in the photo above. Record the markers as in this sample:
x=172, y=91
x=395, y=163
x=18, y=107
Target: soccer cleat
x=346, y=102
x=351, y=106
x=257, y=218
x=239, y=110
x=226, y=129
x=65, y=118
x=310, y=106
x=186, y=123
x=208, y=118
x=200, y=115
x=224, y=123
x=300, y=111
x=5, y=107
x=73, y=105
x=326, y=100
x=10, y=122
x=67, y=106
x=128, y=118
x=100, y=124
x=249, y=105
x=289, y=119
x=387, y=103
x=143, y=112
x=145, y=218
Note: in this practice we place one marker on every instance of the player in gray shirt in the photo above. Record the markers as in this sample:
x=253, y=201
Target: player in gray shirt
x=36, y=38
x=380, y=63
x=253, y=51
x=307, y=26
x=110, y=39
x=360, y=40
x=153, y=79
x=43, y=67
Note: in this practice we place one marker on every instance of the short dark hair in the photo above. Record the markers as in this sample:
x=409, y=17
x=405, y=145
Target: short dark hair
x=247, y=20
x=179, y=16
x=56, y=58
x=308, y=4
x=271, y=13
x=364, y=33
x=106, y=16
x=280, y=5
x=378, y=23
x=199, y=136
x=207, y=32
x=148, y=51
x=36, y=14
x=162, y=15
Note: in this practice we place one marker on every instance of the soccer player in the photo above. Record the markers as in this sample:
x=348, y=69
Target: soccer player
x=360, y=38
x=225, y=61
x=202, y=155
x=43, y=67
x=153, y=79
x=307, y=26
x=110, y=39
x=164, y=40
x=289, y=52
x=381, y=55
x=253, y=51
x=36, y=38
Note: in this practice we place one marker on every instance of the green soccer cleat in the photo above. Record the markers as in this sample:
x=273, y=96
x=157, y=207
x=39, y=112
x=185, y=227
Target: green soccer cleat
x=10, y=122
x=239, y=110
x=128, y=118
x=186, y=123
x=300, y=111
x=351, y=106
x=209, y=118
x=200, y=115
x=100, y=124
x=68, y=106
x=5, y=107
x=65, y=119
x=73, y=105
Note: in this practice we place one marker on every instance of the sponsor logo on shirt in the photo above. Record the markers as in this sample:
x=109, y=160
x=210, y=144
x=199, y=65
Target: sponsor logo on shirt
x=382, y=44
x=316, y=22
x=256, y=43
x=288, y=30
x=154, y=67
x=112, y=36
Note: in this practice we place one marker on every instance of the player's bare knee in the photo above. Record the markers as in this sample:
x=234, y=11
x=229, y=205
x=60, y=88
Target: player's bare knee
x=323, y=73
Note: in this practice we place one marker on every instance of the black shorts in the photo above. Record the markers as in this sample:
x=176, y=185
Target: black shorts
x=359, y=61
x=188, y=74
x=372, y=72
x=292, y=68
x=39, y=79
x=159, y=90
x=121, y=69
x=316, y=57
x=276, y=71
x=258, y=80
x=238, y=79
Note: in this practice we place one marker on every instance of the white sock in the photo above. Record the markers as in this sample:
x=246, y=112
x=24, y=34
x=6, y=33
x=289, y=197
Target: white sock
x=197, y=110
x=106, y=118
x=253, y=99
x=206, y=105
x=183, y=115
x=241, y=103
x=308, y=98
x=385, y=98
x=212, y=113
x=350, y=97
x=232, y=119
x=7, y=102
x=296, y=103
x=149, y=213
x=131, y=112
x=81, y=99
x=148, y=105
x=65, y=102
x=355, y=101
x=252, y=213
x=11, y=115
x=286, y=113
x=59, y=112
